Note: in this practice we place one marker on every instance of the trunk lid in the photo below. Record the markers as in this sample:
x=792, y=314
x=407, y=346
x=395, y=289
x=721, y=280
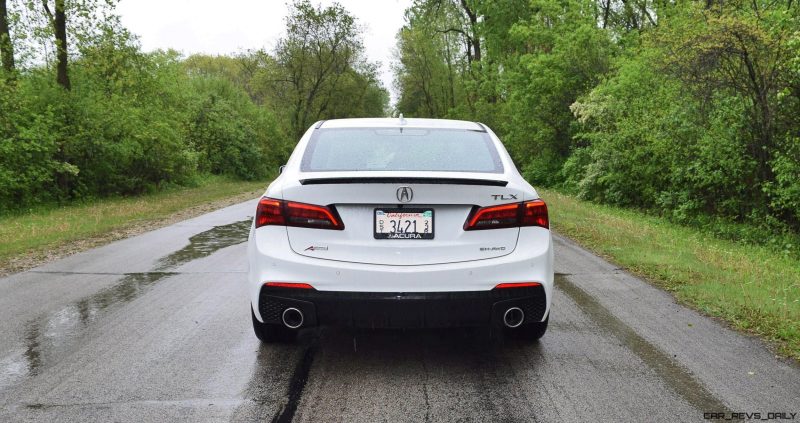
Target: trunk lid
x=355, y=196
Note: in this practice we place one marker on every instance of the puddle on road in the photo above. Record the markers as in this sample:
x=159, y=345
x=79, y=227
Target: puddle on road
x=206, y=243
x=675, y=376
x=32, y=354
x=126, y=289
x=50, y=335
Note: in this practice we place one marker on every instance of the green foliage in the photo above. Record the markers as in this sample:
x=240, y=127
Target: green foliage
x=135, y=122
x=232, y=135
x=784, y=191
x=429, y=71
x=692, y=123
x=132, y=122
x=559, y=67
x=689, y=109
x=28, y=146
x=319, y=70
x=124, y=121
x=631, y=127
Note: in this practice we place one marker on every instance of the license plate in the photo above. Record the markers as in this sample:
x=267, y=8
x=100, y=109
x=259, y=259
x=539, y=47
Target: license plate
x=403, y=223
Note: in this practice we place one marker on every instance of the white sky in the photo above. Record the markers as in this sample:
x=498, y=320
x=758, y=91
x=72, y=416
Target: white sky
x=222, y=27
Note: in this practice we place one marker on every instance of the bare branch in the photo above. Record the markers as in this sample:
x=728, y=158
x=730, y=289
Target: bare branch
x=47, y=9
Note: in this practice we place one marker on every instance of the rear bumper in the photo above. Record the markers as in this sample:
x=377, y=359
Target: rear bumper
x=272, y=259
x=403, y=309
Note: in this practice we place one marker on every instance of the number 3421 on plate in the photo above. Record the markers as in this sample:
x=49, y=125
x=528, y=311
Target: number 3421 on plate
x=403, y=223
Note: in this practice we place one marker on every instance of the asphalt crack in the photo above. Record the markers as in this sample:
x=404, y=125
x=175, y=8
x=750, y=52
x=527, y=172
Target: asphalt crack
x=296, y=386
x=425, y=387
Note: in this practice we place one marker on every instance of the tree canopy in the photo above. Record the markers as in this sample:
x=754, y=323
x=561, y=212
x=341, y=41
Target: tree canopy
x=690, y=109
x=84, y=112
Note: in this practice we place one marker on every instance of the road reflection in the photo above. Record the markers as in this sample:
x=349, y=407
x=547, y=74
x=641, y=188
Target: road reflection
x=47, y=337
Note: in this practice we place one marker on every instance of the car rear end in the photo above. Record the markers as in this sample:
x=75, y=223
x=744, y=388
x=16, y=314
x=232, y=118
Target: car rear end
x=400, y=223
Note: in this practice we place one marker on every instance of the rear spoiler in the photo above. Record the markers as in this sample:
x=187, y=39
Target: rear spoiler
x=400, y=180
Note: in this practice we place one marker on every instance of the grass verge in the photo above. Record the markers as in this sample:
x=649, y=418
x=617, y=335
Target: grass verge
x=44, y=234
x=753, y=288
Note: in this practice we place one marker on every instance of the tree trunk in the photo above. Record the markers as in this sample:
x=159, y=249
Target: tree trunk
x=6, y=47
x=474, y=38
x=606, y=11
x=60, y=29
x=450, y=80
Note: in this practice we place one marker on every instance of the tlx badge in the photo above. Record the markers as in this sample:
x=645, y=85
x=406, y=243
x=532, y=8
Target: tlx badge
x=504, y=196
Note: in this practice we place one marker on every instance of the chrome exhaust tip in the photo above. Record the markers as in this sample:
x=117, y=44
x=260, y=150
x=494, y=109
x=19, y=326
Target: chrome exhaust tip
x=292, y=318
x=513, y=317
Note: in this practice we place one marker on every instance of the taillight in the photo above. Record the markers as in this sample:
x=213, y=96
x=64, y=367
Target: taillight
x=517, y=285
x=293, y=285
x=289, y=213
x=269, y=212
x=535, y=214
x=310, y=216
x=528, y=213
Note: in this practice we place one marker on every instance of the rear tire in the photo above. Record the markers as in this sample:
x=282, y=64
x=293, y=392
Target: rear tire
x=530, y=332
x=269, y=333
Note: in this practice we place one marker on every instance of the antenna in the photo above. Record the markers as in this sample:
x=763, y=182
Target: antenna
x=402, y=119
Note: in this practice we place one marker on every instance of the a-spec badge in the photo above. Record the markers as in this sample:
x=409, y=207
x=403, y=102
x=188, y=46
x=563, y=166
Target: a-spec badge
x=405, y=194
x=317, y=248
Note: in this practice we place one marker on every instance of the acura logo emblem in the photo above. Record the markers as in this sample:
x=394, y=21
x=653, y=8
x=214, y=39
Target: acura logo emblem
x=405, y=194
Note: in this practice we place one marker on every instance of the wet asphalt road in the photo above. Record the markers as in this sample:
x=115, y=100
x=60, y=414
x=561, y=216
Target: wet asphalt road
x=157, y=328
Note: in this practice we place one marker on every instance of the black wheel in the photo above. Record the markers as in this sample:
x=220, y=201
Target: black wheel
x=530, y=331
x=270, y=333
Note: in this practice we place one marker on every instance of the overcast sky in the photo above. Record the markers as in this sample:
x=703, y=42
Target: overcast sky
x=206, y=26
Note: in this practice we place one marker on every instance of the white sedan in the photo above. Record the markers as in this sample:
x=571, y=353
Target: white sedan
x=385, y=223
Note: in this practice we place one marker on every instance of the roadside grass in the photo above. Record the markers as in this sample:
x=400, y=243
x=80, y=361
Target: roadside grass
x=753, y=288
x=45, y=233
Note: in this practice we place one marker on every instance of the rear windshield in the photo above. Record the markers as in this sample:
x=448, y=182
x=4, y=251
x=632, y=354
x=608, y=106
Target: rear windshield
x=397, y=149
